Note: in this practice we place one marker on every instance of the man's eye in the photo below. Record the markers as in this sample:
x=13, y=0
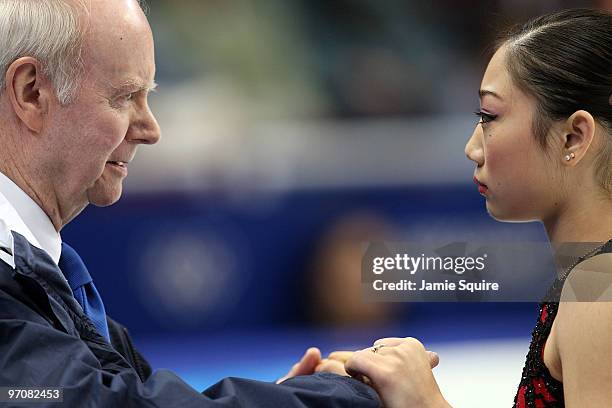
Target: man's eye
x=123, y=100
x=127, y=97
x=485, y=117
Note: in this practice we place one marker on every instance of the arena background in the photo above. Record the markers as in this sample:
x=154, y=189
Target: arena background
x=293, y=130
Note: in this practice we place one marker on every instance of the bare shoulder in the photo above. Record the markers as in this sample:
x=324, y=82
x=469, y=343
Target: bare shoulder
x=599, y=263
x=590, y=281
x=584, y=333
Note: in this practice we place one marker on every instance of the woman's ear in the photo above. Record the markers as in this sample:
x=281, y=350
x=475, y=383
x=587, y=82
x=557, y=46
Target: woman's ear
x=579, y=131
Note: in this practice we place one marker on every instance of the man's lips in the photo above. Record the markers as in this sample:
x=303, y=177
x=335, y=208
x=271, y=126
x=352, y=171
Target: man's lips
x=118, y=163
x=482, y=188
x=121, y=166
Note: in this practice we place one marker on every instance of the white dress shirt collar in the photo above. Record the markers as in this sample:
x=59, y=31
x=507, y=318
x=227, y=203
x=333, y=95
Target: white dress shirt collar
x=21, y=214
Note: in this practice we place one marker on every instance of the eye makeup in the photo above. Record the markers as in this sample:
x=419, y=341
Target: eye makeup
x=485, y=117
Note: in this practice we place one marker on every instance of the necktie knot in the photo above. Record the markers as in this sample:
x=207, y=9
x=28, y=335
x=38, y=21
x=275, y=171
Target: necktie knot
x=73, y=268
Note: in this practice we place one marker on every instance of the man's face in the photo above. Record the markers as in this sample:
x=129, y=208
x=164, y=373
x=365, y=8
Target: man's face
x=95, y=137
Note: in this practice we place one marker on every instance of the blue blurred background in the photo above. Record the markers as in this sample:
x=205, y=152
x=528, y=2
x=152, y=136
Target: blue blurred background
x=294, y=130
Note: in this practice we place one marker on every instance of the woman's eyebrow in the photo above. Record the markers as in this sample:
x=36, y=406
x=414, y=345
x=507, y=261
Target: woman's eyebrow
x=483, y=92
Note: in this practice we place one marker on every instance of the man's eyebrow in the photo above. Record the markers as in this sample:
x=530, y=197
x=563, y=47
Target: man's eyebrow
x=134, y=85
x=483, y=92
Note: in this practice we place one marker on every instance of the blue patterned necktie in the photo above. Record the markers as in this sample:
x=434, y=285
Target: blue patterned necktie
x=83, y=288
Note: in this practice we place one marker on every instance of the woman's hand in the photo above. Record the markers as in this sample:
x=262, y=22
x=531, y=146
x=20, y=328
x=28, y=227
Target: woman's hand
x=334, y=363
x=399, y=369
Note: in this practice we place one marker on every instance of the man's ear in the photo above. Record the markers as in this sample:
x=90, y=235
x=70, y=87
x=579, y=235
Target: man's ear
x=579, y=133
x=29, y=91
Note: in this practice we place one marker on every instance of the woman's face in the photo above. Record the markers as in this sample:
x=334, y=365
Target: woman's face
x=513, y=172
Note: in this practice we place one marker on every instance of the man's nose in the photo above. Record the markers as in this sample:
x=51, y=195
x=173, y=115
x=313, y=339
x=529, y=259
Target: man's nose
x=145, y=129
x=473, y=149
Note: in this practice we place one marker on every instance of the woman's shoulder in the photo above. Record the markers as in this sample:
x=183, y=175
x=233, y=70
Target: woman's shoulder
x=590, y=280
x=586, y=300
x=584, y=330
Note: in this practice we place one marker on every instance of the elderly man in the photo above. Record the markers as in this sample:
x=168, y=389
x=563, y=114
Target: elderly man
x=75, y=76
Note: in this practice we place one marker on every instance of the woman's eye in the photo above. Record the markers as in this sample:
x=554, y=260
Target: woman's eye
x=485, y=117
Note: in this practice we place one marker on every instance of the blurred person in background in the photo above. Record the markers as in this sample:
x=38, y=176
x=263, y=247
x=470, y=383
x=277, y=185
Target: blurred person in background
x=335, y=277
x=543, y=151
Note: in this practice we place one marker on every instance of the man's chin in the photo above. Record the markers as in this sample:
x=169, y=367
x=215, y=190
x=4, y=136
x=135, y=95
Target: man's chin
x=103, y=197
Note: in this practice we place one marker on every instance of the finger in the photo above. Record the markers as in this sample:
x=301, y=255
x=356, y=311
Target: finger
x=362, y=364
x=396, y=341
x=305, y=366
x=390, y=341
x=310, y=360
x=341, y=356
x=434, y=359
x=331, y=366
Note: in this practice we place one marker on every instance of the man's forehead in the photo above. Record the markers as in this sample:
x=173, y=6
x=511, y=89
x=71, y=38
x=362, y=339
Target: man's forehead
x=118, y=70
x=102, y=6
x=118, y=50
x=109, y=21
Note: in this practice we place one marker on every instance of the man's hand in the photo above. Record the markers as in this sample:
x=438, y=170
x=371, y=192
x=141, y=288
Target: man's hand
x=306, y=366
x=334, y=363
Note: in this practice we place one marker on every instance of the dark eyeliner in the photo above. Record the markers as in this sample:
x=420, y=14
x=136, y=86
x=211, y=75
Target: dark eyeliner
x=485, y=117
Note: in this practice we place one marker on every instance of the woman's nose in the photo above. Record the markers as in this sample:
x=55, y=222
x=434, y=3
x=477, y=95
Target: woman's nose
x=473, y=148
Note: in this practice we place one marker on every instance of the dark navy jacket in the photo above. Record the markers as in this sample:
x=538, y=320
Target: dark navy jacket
x=47, y=341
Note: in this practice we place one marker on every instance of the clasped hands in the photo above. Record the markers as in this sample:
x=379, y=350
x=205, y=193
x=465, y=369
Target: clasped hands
x=399, y=369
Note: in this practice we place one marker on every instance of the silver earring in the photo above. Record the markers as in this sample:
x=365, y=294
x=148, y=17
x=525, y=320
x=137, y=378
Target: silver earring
x=569, y=157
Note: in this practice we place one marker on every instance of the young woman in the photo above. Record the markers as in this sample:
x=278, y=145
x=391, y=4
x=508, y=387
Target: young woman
x=543, y=151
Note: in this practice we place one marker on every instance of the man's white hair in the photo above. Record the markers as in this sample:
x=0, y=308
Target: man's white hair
x=50, y=31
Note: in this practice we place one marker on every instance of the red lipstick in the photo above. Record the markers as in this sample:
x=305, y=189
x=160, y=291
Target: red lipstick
x=482, y=188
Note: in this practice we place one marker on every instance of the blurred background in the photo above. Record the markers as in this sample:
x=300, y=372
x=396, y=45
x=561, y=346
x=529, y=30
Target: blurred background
x=293, y=131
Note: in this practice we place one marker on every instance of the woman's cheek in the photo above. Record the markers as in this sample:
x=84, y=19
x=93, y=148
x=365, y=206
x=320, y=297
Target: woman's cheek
x=495, y=159
x=505, y=170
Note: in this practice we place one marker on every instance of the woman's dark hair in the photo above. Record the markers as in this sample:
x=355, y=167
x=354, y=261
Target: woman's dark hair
x=565, y=61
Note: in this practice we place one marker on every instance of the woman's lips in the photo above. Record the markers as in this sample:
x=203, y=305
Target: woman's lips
x=482, y=188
